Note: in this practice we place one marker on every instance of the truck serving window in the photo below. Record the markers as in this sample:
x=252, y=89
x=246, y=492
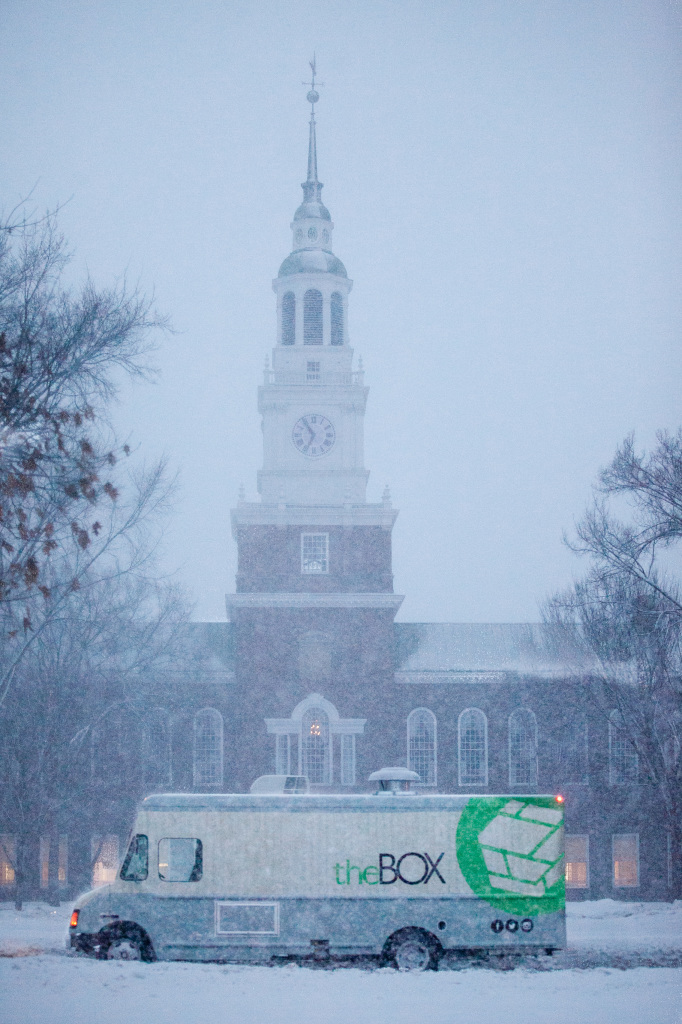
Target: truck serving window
x=180, y=860
x=135, y=865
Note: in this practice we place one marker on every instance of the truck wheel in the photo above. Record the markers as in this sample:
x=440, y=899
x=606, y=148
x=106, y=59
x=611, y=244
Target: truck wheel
x=124, y=949
x=413, y=950
x=127, y=942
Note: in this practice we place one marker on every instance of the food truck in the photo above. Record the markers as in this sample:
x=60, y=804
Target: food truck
x=404, y=876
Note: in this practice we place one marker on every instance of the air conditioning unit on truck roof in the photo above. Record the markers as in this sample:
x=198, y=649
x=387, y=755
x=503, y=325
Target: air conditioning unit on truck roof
x=265, y=874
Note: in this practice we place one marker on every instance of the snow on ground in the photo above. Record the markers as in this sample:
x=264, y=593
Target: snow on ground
x=40, y=983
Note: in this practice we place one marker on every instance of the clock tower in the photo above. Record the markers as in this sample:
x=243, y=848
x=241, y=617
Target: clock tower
x=314, y=604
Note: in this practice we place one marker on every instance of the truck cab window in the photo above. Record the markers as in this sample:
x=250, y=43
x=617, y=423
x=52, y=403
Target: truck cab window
x=180, y=860
x=135, y=865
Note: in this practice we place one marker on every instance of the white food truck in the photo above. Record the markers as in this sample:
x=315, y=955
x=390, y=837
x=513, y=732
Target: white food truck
x=402, y=876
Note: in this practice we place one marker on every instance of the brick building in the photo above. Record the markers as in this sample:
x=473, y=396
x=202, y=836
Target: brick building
x=312, y=675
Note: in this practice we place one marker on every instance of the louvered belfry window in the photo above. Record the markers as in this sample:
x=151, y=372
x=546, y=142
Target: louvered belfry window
x=312, y=317
x=288, y=319
x=337, y=319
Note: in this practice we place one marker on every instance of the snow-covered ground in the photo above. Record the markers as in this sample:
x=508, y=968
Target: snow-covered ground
x=39, y=983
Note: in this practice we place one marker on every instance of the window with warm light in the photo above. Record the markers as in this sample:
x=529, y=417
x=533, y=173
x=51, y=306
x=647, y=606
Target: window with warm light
x=315, y=747
x=577, y=862
x=8, y=853
x=104, y=859
x=625, y=850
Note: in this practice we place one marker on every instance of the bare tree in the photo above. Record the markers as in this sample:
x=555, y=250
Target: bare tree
x=625, y=617
x=58, y=351
x=107, y=652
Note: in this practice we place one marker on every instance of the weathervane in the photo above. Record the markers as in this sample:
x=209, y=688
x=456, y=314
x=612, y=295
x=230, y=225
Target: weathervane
x=313, y=95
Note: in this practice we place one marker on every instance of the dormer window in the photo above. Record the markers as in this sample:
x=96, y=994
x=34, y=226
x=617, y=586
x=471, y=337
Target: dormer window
x=314, y=553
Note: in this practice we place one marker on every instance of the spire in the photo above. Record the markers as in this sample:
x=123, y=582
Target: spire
x=312, y=188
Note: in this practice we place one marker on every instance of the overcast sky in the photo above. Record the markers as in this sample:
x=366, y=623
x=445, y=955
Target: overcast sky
x=504, y=180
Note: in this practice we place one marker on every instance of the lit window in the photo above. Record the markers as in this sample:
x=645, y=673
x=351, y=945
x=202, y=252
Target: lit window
x=523, y=749
x=104, y=853
x=8, y=859
x=312, y=317
x=625, y=860
x=577, y=862
x=623, y=760
x=208, y=748
x=315, y=746
x=347, y=760
x=314, y=553
x=337, y=319
x=288, y=319
x=421, y=745
x=312, y=372
x=473, y=748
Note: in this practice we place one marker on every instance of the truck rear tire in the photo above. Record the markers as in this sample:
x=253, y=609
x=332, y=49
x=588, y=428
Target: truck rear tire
x=126, y=941
x=413, y=949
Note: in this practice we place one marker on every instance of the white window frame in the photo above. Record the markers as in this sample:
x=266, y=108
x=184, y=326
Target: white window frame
x=484, y=781
x=306, y=561
x=282, y=754
x=218, y=719
x=432, y=781
x=624, y=835
x=319, y=712
x=617, y=757
x=347, y=759
x=586, y=838
x=533, y=783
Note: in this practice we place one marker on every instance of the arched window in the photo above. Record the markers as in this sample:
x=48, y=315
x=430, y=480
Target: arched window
x=623, y=759
x=156, y=750
x=115, y=746
x=337, y=319
x=523, y=749
x=288, y=319
x=208, y=748
x=472, y=735
x=569, y=752
x=315, y=746
x=421, y=745
x=312, y=317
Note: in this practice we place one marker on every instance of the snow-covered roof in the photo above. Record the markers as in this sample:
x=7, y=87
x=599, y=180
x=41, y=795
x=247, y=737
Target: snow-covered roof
x=478, y=652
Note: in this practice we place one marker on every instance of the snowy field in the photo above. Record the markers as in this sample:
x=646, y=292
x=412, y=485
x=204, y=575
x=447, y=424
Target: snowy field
x=39, y=982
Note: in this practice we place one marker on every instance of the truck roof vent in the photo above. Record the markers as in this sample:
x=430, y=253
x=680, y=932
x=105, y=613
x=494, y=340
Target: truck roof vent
x=394, y=780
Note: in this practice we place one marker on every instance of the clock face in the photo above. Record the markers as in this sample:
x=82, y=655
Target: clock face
x=313, y=435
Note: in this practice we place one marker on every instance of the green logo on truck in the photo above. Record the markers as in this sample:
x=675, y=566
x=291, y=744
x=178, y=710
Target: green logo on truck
x=511, y=853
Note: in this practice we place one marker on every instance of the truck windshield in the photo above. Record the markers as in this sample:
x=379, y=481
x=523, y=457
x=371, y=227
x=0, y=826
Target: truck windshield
x=135, y=865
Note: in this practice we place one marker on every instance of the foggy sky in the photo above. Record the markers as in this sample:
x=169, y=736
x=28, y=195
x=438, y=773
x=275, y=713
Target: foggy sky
x=503, y=176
